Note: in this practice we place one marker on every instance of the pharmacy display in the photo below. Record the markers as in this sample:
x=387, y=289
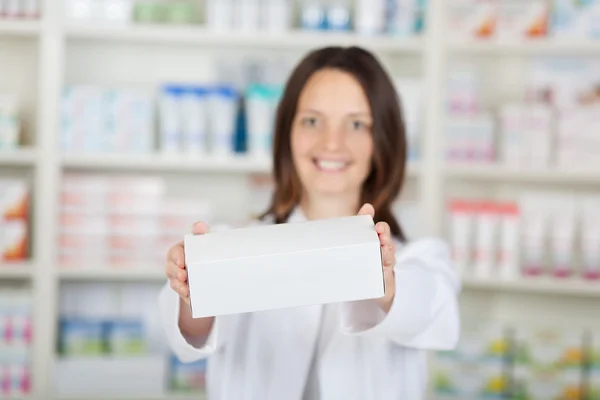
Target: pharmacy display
x=368, y=17
x=14, y=221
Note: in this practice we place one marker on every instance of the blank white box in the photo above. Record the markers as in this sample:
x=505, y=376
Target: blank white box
x=285, y=265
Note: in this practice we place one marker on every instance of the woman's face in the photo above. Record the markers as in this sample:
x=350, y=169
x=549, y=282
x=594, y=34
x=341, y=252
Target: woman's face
x=331, y=137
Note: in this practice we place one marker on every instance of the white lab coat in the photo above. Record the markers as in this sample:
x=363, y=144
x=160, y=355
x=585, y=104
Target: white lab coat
x=367, y=355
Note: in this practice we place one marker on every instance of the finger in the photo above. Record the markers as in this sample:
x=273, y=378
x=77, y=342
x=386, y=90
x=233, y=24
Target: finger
x=180, y=288
x=382, y=228
x=176, y=255
x=367, y=209
x=389, y=256
x=200, y=228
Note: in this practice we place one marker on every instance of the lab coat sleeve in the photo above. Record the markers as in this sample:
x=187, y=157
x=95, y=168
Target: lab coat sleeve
x=424, y=312
x=186, y=349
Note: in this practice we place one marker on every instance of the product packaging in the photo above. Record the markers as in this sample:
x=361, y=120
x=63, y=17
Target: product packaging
x=548, y=363
x=411, y=100
x=223, y=105
x=195, y=115
x=277, y=15
x=370, y=17
x=402, y=17
x=219, y=15
x=246, y=15
x=487, y=220
x=512, y=135
x=10, y=127
x=590, y=237
x=313, y=255
x=537, y=144
x=536, y=215
x=14, y=240
x=338, y=15
x=464, y=88
x=261, y=106
x=562, y=234
x=575, y=19
x=508, y=252
x=518, y=20
x=452, y=381
x=312, y=15
x=472, y=19
x=457, y=139
x=462, y=220
x=481, y=141
x=170, y=121
x=187, y=377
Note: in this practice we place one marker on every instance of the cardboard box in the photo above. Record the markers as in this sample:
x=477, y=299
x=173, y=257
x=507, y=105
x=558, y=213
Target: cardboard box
x=287, y=265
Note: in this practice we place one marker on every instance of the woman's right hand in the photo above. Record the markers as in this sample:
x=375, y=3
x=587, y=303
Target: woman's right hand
x=176, y=269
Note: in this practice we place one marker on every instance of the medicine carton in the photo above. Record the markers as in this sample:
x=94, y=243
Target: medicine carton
x=285, y=265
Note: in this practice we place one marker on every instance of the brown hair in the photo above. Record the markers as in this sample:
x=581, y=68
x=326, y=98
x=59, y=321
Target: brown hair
x=385, y=180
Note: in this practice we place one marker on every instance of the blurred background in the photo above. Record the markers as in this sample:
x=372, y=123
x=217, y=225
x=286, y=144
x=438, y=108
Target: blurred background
x=124, y=121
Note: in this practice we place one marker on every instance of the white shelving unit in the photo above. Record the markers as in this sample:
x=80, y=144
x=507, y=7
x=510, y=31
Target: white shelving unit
x=294, y=40
x=19, y=28
x=20, y=271
x=25, y=156
x=67, y=54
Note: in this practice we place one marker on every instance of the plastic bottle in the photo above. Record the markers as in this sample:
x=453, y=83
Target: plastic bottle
x=313, y=15
x=338, y=15
x=223, y=111
x=170, y=121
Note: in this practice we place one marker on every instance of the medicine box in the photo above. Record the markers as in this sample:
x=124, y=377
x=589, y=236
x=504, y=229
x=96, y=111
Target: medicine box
x=284, y=265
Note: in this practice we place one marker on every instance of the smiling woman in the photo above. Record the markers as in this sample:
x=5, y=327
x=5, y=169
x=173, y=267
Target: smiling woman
x=339, y=126
x=339, y=145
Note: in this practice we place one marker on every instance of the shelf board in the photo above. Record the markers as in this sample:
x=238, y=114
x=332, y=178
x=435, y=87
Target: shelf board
x=541, y=47
x=198, y=35
x=171, y=396
x=18, y=157
x=18, y=270
x=158, y=162
x=163, y=163
x=502, y=173
x=112, y=274
x=23, y=28
x=537, y=285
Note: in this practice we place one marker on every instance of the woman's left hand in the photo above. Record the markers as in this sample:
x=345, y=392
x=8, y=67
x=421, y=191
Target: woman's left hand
x=388, y=252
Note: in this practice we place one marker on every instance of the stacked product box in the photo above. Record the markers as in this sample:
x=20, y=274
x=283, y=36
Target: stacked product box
x=101, y=319
x=534, y=236
x=187, y=377
x=96, y=119
x=15, y=342
x=548, y=363
x=14, y=217
x=121, y=222
x=593, y=361
x=485, y=238
x=476, y=368
x=20, y=9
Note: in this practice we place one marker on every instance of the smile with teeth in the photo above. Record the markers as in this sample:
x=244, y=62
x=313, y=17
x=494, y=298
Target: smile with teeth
x=331, y=165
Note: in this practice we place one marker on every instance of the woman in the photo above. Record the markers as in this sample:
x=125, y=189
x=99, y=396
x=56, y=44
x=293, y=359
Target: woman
x=339, y=149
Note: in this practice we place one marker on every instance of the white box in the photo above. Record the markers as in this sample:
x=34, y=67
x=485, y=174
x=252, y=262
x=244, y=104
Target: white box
x=286, y=265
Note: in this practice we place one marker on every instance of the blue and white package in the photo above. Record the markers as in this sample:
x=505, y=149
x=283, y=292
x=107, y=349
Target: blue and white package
x=223, y=111
x=170, y=119
x=338, y=16
x=313, y=15
x=194, y=112
x=126, y=337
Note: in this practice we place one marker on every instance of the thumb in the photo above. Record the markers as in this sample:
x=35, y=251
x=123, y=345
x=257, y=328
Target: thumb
x=200, y=228
x=367, y=209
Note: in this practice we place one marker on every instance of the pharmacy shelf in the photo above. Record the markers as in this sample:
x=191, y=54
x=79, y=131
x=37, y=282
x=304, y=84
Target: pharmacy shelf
x=19, y=28
x=18, y=157
x=173, y=396
x=19, y=270
x=158, y=163
x=541, y=47
x=111, y=275
x=508, y=174
x=166, y=35
x=167, y=163
x=537, y=285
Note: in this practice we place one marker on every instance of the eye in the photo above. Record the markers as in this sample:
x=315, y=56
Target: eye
x=309, y=122
x=358, y=125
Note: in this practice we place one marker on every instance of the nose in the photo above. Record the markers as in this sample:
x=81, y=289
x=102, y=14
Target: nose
x=334, y=139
